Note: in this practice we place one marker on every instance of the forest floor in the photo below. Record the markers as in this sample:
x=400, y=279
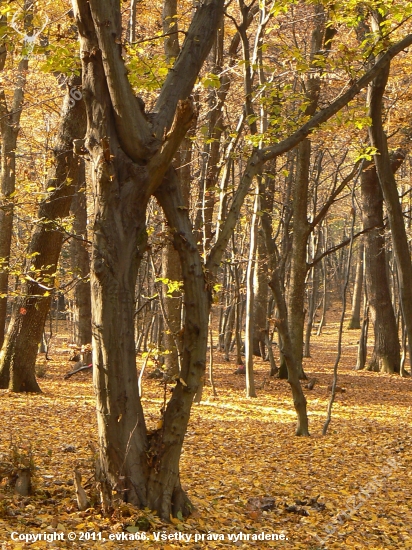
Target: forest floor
x=349, y=489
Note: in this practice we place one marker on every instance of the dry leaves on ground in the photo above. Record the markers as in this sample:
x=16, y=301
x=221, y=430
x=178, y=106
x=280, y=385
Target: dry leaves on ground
x=245, y=472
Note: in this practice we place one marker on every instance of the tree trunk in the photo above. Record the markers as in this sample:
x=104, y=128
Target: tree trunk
x=131, y=154
x=390, y=193
x=132, y=20
x=297, y=284
x=170, y=29
x=211, y=152
x=80, y=265
x=171, y=269
x=249, y=327
x=313, y=297
x=363, y=340
x=282, y=325
x=164, y=491
x=9, y=126
x=288, y=352
x=260, y=285
x=354, y=322
x=19, y=352
x=325, y=283
x=386, y=351
x=171, y=273
x=301, y=227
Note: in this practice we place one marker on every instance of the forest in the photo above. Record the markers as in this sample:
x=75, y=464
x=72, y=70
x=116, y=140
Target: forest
x=205, y=274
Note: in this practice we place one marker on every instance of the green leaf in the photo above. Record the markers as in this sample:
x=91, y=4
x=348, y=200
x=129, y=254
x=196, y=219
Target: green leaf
x=211, y=80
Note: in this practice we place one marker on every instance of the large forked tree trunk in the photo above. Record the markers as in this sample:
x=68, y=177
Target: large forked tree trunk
x=19, y=352
x=130, y=157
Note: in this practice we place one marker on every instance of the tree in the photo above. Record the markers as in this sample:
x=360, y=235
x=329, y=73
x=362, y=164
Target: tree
x=387, y=181
x=80, y=264
x=10, y=126
x=131, y=152
x=19, y=351
x=386, y=351
x=354, y=322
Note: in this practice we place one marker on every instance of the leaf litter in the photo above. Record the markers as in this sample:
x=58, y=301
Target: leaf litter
x=244, y=470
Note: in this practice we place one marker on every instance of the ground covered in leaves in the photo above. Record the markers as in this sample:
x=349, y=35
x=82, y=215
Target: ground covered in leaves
x=252, y=482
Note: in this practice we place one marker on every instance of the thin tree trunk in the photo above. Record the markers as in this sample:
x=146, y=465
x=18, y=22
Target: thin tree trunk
x=170, y=29
x=132, y=20
x=297, y=283
x=288, y=351
x=260, y=289
x=211, y=377
x=340, y=334
x=80, y=264
x=172, y=275
x=9, y=127
x=229, y=325
x=301, y=227
x=363, y=340
x=249, y=328
x=322, y=321
x=313, y=277
x=354, y=322
x=313, y=297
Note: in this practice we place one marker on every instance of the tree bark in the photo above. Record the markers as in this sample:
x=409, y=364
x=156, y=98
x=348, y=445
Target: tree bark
x=170, y=29
x=301, y=226
x=288, y=352
x=298, y=270
x=131, y=153
x=354, y=322
x=390, y=194
x=250, y=297
x=386, y=351
x=18, y=355
x=132, y=20
x=260, y=289
x=10, y=127
x=164, y=491
x=80, y=265
x=171, y=272
x=286, y=347
x=382, y=159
